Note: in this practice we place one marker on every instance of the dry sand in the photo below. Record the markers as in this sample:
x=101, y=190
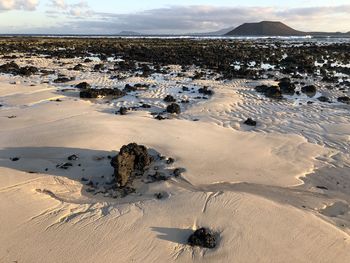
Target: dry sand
x=247, y=184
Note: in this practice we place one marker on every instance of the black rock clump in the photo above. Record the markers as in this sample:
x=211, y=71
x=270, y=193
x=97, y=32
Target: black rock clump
x=131, y=159
x=173, y=108
x=286, y=86
x=99, y=67
x=250, y=122
x=78, y=67
x=202, y=237
x=309, y=90
x=62, y=80
x=272, y=92
x=344, y=99
x=83, y=85
x=324, y=99
x=206, y=91
x=123, y=111
x=146, y=106
x=169, y=98
x=95, y=93
x=73, y=157
x=14, y=69
x=129, y=88
x=64, y=166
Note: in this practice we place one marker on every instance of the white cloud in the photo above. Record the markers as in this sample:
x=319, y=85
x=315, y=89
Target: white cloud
x=61, y=7
x=18, y=4
x=180, y=19
x=76, y=17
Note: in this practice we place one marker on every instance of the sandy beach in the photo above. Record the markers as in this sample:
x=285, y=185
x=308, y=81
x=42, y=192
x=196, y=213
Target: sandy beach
x=277, y=191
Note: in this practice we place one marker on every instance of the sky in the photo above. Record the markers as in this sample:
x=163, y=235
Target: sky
x=166, y=17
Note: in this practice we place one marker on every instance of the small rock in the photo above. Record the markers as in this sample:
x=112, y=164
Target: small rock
x=177, y=172
x=202, y=237
x=73, y=157
x=170, y=160
x=123, y=111
x=64, y=166
x=173, y=108
x=83, y=85
x=324, y=99
x=250, y=122
x=160, y=117
x=169, y=98
x=344, y=99
x=322, y=187
x=159, y=195
x=205, y=91
x=310, y=90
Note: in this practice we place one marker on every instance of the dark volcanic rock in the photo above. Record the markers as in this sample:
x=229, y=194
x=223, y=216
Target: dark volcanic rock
x=13, y=68
x=62, y=80
x=9, y=68
x=73, y=157
x=250, y=122
x=286, y=86
x=123, y=111
x=131, y=158
x=83, y=85
x=99, y=67
x=206, y=91
x=173, y=108
x=95, y=93
x=169, y=98
x=129, y=88
x=28, y=70
x=344, y=99
x=78, y=67
x=324, y=99
x=202, y=237
x=273, y=92
x=309, y=90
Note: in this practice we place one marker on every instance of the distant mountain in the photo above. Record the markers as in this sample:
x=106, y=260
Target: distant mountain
x=271, y=28
x=128, y=33
x=265, y=28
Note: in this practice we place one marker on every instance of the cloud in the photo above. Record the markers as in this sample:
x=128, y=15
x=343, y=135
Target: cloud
x=202, y=18
x=61, y=7
x=190, y=19
x=18, y=4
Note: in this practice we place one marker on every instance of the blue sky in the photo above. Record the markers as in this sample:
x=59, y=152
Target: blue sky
x=156, y=16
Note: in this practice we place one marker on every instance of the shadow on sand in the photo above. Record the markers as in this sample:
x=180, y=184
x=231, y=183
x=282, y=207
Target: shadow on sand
x=174, y=235
x=49, y=160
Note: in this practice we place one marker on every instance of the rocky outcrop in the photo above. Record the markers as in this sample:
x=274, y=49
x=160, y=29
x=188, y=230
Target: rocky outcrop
x=169, y=98
x=206, y=91
x=202, y=237
x=173, y=108
x=272, y=92
x=286, y=86
x=309, y=90
x=344, y=99
x=83, y=85
x=132, y=159
x=14, y=69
